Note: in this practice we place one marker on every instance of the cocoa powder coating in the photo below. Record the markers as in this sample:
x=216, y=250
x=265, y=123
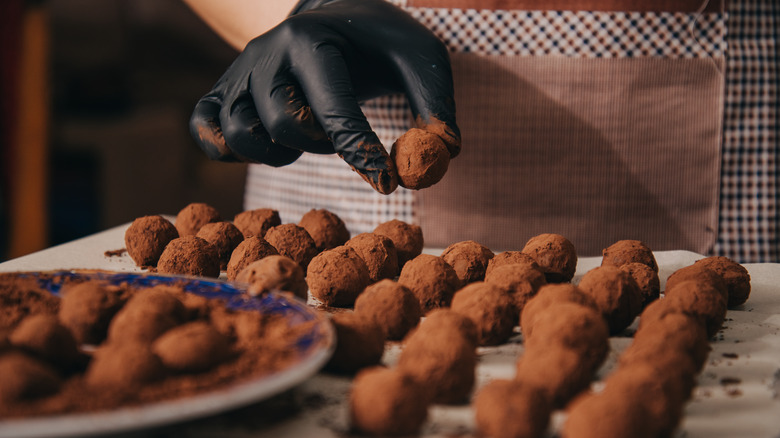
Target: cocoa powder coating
x=146, y=238
x=326, y=228
x=248, y=251
x=43, y=336
x=359, y=343
x=87, y=308
x=698, y=272
x=555, y=255
x=148, y=313
x=469, y=259
x=700, y=300
x=431, y=279
x=628, y=251
x=121, y=366
x=615, y=293
x=192, y=347
x=407, y=238
x=391, y=306
x=511, y=258
x=646, y=279
x=521, y=280
x=274, y=272
x=549, y=295
x=292, y=241
x=491, y=308
x=24, y=378
x=189, y=255
x=193, y=216
x=256, y=222
x=379, y=254
x=337, y=276
x=557, y=372
x=421, y=159
x=224, y=237
x=386, y=402
x=511, y=408
x=735, y=276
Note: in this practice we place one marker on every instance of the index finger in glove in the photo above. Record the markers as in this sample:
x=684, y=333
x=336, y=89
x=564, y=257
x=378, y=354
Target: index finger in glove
x=205, y=128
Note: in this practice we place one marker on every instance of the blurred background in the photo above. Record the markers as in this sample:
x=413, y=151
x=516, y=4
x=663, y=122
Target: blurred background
x=96, y=100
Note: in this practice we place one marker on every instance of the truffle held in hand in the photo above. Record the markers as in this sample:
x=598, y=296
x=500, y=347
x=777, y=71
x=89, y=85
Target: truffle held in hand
x=421, y=158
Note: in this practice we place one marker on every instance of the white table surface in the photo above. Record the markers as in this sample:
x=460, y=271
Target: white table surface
x=748, y=350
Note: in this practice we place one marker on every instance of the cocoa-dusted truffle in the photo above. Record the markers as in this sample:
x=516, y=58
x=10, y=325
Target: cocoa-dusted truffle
x=735, y=275
x=555, y=255
x=407, y=238
x=294, y=242
x=337, y=276
x=325, y=227
x=123, y=366
x=378, y=252
x=575, y=327
x=605, y=415
x=521, y=280
x=359, y=343
x=663, y=324
x=193, y=347
x=616, y=295
x=511, y=409
x=511, y=258
x=23, y=377
x=224, y=236
x=193, y=216
x=45, y=337
x=549, y=295
x=469, y=259
x=646, y=279
x=676, y=366
x=701, y=273
x=432, y=280
x=447, y=319
x=256, y=222
x=700, y=300
x=386, y=402
x=274, y=272
x=490, y=307
x=86, y=310
x=628, y=251
x=146, y=238
x=557, y=371
x=440, y=359
x=148, y=314
x=250, y=250
x=392, y=307
x=421, y=158
x=189, y=255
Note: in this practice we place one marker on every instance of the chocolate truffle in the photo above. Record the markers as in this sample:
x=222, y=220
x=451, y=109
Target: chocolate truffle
x=359, y=343
x=386, y=402
x=274, y=272
x=294, y=242
x=549, y=295
x=448, y=320
x=700, y=300
x=628, y=251
x=250, y=250
x=667, y=327
x=575, y=327
x=224, y=236
x=616, y=295
x=469, y=259
x=432, y=280
x=605, y=415
x=337, y=276
x=421, y=159
x=646, y=279
x=511, y=409
x=392, y=307
x=193, y=216
x=555, y=255
x=256, y=222
x=677, y=367
x=193, y=347
x=735, y=275
x=44, y=336
x=378, y=252
x=441, y=360
x=147, y=315
x=86, y=310
x=23, y=377
x=326, y=228
x=490, y=307
x=700, y=273
x=123, y=366
x=511, y=258
x=557, y=372
x=146, y=238
x=189, y=255
x=521, y=280
x=407, y=238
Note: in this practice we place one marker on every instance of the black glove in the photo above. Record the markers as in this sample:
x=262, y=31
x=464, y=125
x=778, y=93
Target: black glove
x=296, y=88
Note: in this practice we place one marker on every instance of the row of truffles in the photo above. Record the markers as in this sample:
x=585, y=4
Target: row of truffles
x=646, y=395
x=101, y=346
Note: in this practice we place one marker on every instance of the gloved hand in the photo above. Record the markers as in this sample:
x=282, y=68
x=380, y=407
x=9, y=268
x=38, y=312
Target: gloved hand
x=296, y=88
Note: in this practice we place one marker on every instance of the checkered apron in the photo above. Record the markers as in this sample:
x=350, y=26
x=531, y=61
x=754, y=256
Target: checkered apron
x=586, y=120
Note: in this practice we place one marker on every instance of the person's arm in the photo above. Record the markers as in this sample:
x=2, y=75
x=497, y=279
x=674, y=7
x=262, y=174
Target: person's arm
x=239, y=21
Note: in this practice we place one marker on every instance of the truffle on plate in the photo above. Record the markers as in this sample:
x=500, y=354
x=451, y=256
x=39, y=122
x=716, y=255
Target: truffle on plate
x=146, y=238
x=491, y=308
x=294, y=242
x=193, y=216
x=325, y=227
x=511, y=409
x=421, y=159
x=392, y=306
x=432, y=280
x=23, y=377
x=469, y=259
x=337, y=276
x=615, y=293
x=256, y=222
x=45, y=337
x=148, y=313
x=123, y=366
x=407, y=238
x=555, y=255
x=274, y=272
x=378, y=252
x=224, y=236
x=385, y=402
x=192, y=347
x=359, y=343
x=248, y=251
x=628, y=251
x=189, y=255
x=87, y=308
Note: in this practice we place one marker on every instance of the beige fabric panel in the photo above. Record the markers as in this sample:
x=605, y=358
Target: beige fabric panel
x=607, y=144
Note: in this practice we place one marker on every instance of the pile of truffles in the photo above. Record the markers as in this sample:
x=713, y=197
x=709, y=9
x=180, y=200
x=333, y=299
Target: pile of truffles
x=101, y=346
